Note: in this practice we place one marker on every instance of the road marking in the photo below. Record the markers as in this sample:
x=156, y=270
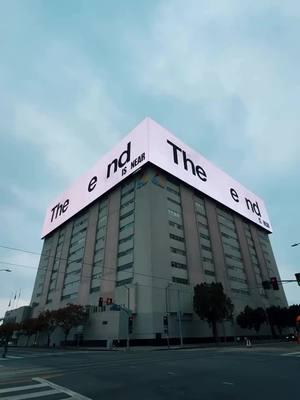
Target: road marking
x=295, y=353
x=32, y=395
x=58, y=388
x=228, y=383
x=10, y=357
x=199, y=349
x=25, y=387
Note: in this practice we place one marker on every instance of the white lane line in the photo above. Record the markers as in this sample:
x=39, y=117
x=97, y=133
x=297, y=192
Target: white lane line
x=31, y=395
x=10, y=357
x=25, y=387
x=290, y=354
x=228, y=383
x=58, y=388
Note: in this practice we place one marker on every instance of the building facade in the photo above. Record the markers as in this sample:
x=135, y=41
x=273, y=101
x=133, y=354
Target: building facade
x=145, y=243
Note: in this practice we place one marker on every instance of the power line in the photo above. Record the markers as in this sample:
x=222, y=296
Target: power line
x=66, y=259
x=89, y=276
x=89, y=264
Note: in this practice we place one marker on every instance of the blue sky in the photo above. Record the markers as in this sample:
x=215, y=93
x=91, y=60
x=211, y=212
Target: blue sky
x=76, y=76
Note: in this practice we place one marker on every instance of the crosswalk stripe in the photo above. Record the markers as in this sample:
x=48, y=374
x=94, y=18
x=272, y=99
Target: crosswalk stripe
x=295, y=353
x=26, y=387
x=32, y=395
x=75, y=395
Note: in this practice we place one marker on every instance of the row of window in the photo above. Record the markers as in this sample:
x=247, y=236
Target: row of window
x=126, y=226
x=176, y=237
x=99, y=249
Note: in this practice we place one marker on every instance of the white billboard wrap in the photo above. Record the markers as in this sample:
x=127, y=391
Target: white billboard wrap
x=149, y=142
x=129, y=155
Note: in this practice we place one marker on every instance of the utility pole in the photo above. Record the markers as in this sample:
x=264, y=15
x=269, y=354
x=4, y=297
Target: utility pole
x=167, y=314
x=179, y=317
x=128, y=314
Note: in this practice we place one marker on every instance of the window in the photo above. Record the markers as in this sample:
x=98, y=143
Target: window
x=209, y=273
x=127, y=214
x=175, y=264
x=124, y=267
x=127, y=226
x=124, y=282
x=175, y=225
x=130, y=237
x=127, y=203
x=125, y=252
x=235, y=279
x=178, y=251
x=102, y=220
x=200, y=208
x=175, y=237
x=171, y=190
x=173, y=213
x=179, y=280
x=125, y=193
x=174, y=201
x=95, y=289
x=204, y=236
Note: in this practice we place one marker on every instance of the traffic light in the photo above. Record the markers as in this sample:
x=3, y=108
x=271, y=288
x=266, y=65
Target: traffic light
x=166, y=323
x=274, y=283
x=130, y=324
x=100, y=302
x=297, y=275
x=266, y=285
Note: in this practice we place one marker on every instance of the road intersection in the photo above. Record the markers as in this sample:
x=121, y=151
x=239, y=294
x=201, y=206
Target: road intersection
x=261, y=372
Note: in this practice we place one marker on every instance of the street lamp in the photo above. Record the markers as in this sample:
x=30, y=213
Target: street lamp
x=6, y=270
x=295, y=244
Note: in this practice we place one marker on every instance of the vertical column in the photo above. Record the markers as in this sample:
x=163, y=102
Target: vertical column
x=87, y=262
x=195, y=267
x=49, y=270
x=108, y=282
x=253, y=285
x=62, y=266
x=216, y=243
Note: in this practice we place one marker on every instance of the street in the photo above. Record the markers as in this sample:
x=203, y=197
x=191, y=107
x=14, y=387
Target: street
x=260, y=372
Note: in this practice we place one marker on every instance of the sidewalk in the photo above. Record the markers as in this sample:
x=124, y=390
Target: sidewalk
x=204, y=346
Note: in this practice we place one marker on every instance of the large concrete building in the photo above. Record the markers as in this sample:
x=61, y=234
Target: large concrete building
x=150, y=221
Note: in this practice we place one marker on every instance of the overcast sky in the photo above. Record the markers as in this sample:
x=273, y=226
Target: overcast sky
x=77, y=76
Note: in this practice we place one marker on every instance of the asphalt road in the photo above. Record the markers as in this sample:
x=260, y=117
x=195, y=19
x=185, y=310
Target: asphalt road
x=260, y=372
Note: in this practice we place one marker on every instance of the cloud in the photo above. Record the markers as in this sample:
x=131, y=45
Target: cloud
x=237, y=62
x=70, y=136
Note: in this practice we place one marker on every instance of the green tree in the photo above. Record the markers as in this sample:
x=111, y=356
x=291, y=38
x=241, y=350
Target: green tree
x=212, y=304
x=28, y=328
x=251, y=318
x=259, y=318
x=7, y=329
x=69, y=317
x=49, y=321
x=277, y=317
